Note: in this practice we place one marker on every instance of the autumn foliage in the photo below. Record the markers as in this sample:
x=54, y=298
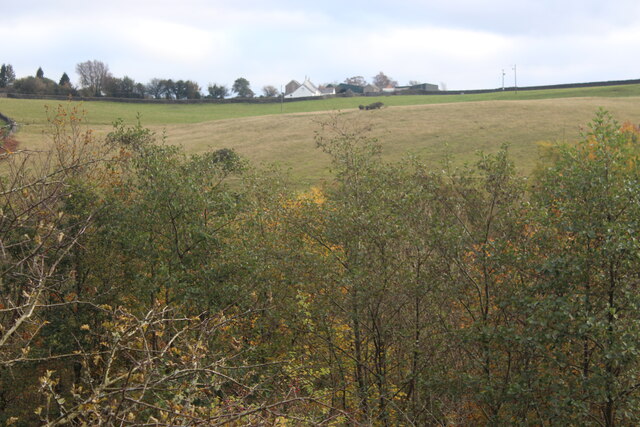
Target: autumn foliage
x=143, y=286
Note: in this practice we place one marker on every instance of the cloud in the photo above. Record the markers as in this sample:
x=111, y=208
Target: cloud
x=418, y=53
x=161, y=40
x=464, y=43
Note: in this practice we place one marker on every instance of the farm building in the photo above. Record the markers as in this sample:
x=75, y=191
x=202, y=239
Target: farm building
x=371, y=89
x=422, y=86
x=425, y=86
x=344, y=88
x=329, y=90
x=391, y=89
x=293, y=89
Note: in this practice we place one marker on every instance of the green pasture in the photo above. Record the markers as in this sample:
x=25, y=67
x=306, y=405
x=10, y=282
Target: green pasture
x=32, y=112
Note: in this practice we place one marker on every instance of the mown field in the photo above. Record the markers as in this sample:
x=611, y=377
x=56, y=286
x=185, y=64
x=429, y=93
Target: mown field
x=428, y=126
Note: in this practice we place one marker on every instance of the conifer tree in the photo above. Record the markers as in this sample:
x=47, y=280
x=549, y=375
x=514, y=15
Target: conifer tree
x=7, y=75
x=64, y=80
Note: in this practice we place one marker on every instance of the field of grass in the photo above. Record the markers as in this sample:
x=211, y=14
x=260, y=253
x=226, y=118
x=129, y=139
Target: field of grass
x=430, y=131
x=429, y=126
x=32, y=112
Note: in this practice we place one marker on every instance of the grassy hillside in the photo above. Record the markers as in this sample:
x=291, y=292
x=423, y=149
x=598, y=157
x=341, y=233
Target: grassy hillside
x=431, y=131
x=430, y=126
x=31, y=112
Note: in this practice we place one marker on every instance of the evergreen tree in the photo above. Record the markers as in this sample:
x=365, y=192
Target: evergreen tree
x=64, y=80
x=39, y=73
x=7, y=75
x=11, y=75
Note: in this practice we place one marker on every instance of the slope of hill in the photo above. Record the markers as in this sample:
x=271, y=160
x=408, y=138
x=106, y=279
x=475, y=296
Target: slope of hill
x=430, y=131
x=429, y=126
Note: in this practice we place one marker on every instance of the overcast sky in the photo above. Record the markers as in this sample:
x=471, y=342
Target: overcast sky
x=464, y=44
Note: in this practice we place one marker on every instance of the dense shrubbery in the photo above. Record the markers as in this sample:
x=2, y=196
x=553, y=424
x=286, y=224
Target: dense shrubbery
x=40, y=86
x=142, y=285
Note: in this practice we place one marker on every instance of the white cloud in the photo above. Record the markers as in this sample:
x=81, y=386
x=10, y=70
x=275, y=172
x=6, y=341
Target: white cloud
x=464, y=43
x=160, y=40
x=428, y=54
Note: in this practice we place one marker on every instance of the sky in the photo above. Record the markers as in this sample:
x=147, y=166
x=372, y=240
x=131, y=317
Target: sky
x=458, y=44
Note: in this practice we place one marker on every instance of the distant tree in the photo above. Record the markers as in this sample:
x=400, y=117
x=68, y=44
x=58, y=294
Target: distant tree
x=356, y=81
x=93, y=76
x=184, y=89
x=180, y=89
x=270, y=91
x=140, y=90
x=156, y=88
x=192, y=90
x=170, y=90
x=64, y=86
x=218, y=91
x=11, y=75
x=65, y=80
x=128, y=87
x=414, y=82
x=382, y=80
x=121, y=87
x=241, y=87
x=7, y=75
x=109, y=86
x=3, y=72
x=39, y=73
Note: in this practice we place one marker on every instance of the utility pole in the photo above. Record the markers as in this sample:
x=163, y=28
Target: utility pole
x=281, y=99
x=515, y=77
x=503, y=73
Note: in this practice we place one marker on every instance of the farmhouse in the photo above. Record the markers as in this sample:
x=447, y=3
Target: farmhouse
x=371, y=88
x=293, y=89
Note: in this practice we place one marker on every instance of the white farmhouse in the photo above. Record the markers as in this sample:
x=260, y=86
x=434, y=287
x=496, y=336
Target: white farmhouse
x=307, y=89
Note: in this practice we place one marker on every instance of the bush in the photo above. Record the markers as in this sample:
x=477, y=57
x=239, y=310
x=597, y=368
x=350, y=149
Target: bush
x=41, y=86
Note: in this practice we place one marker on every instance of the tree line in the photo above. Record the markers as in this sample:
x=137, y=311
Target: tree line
x=142, y=285
x=95, y=80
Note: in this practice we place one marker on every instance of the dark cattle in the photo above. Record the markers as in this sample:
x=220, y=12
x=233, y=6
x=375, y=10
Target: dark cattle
x=374, y=106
